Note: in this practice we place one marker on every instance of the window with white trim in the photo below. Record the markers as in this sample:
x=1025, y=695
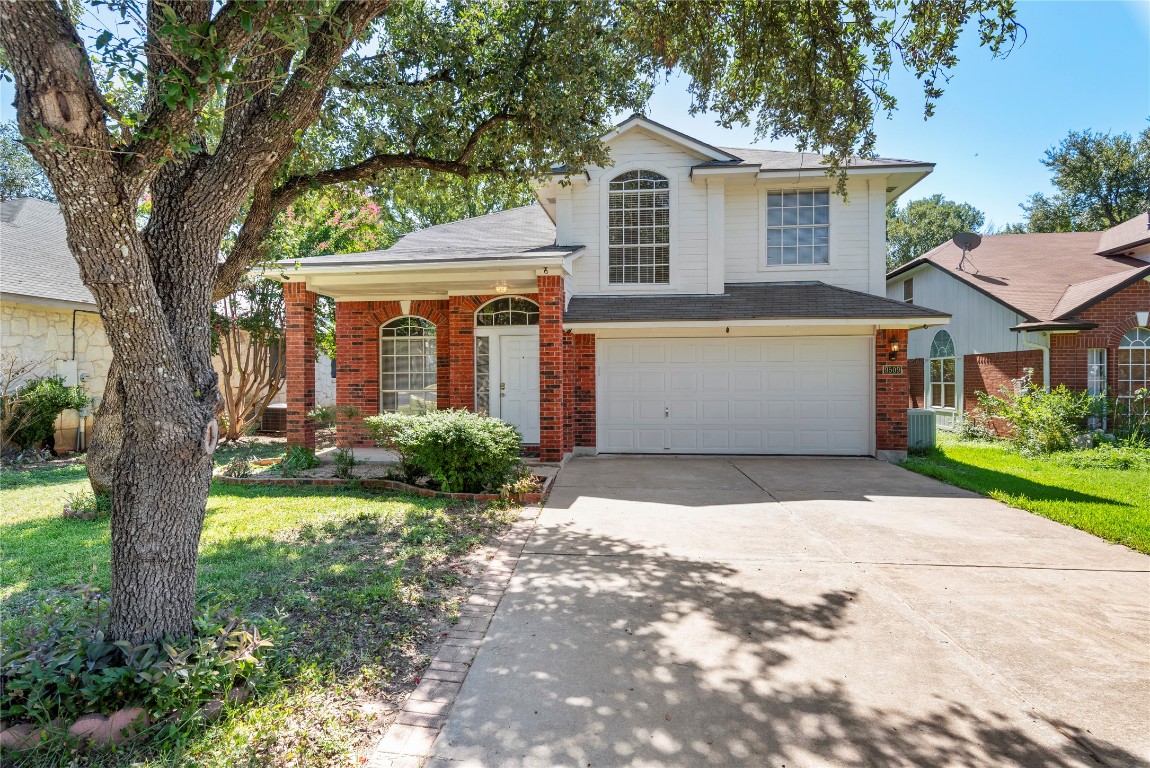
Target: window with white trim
x=1095, y=371
x=798, y=227
x=943, y=381
x=908, y=290
x=1133, y=366
x=407, y=382
x=639, y=229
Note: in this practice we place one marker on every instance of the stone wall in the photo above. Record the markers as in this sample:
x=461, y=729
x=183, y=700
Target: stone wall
x=43, y=335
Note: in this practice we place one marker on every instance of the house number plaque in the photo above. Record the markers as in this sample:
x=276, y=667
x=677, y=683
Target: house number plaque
x=892, y=370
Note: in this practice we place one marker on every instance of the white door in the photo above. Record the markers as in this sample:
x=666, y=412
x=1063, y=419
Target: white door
x=518, y=394
x=796, y=395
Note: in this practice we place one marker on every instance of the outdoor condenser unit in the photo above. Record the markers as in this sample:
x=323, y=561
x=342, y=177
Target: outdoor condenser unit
x=920, y=429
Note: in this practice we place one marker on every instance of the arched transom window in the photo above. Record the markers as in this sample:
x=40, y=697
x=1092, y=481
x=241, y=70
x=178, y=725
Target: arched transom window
x=407, y=366
x=942, y=373
x=510, y=310
x=639, y=229
x=1133, y=363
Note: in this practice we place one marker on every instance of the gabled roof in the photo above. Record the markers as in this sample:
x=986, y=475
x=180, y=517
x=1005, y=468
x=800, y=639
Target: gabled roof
x=748, y=301
x=35, y=261
x=1047, y=278
x=778, y=160
x=1126, y=236
x=671, y=135
x=517, y=233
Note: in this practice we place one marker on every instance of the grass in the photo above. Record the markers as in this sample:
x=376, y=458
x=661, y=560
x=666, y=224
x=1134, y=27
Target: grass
x=1111, y=503
x=361, y=584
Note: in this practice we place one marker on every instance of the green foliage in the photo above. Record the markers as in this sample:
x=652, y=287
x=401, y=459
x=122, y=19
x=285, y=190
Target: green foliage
x=1106, y=456
x=974, y=425
x=923, y=224
x=323, y=416
x=37, y=405
x=59, y=664
x=20, y=174
x=1101, y=180
x=296, y=460
x=345, y=463
x=460, y=451
x=1040, y=421
x=238, y=466
x=521, y=481
x=86, y=504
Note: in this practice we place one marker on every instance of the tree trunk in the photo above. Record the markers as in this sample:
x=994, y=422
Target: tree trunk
x=107, y=434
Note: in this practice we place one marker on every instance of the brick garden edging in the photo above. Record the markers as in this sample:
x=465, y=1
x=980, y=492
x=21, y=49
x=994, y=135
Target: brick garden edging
x=409, y=740
x=393, y=485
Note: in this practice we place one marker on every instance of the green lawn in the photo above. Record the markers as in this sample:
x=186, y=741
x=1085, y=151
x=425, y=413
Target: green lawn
x=1113, y=504
x=361, y=584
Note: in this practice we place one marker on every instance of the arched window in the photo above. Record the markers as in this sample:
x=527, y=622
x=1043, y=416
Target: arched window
x=510, y=310
x=639, y=229
x=407, y=365
x=942, y=375
x=1133, y=364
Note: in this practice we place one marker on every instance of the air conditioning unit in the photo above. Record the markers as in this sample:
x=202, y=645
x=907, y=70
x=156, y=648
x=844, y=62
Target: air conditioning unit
x=920, y=429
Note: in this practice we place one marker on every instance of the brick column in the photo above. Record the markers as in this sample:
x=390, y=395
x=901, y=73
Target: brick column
x=582, y=397
x=461, y=331
x=299, y=309
x=892, y=393
x=552, y=382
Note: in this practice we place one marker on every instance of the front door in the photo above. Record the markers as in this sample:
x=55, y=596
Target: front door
x=518, y=384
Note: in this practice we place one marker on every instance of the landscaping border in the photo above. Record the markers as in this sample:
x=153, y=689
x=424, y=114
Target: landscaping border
x=394, y=485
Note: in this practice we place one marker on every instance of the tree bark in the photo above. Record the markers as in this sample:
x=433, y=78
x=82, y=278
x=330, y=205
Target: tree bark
x=107, y=434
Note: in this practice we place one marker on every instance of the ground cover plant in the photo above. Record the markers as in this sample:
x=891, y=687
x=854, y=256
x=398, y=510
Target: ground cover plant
x=1105, y=490
x=353, y=586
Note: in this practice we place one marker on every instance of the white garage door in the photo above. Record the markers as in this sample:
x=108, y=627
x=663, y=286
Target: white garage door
x=800, y=395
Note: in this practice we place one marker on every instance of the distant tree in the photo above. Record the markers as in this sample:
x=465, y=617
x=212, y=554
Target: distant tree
x=923, y=224
x=1100, y=180
x=20, y=174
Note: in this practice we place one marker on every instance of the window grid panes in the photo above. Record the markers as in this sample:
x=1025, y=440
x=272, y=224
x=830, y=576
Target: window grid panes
x=943, y=379
x=483, y=374
x=1133, y=366
x=511, y=310
x=639, y=229
x=1095, y=371
x=407, y=382
x=798, y=227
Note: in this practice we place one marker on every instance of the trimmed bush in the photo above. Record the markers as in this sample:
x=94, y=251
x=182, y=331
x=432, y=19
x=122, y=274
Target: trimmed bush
x=460, y=451
x=36, y=406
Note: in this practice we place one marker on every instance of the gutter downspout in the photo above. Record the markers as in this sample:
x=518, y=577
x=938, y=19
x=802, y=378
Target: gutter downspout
x=1045, y=336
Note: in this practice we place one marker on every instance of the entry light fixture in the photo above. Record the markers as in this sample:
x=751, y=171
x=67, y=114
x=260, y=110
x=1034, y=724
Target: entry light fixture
x=894, y=348
x=501, y=287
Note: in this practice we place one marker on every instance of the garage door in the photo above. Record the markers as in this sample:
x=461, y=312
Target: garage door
x=805, y=395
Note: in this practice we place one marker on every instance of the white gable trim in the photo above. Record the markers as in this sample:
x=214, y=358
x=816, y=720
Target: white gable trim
x=668, y=135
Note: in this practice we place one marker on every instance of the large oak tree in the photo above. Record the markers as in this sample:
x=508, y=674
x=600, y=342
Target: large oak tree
x=236, y=95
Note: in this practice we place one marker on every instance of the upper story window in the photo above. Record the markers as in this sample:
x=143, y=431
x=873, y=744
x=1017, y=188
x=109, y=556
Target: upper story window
x=798, y=227
x=908, y=290
x=639, y=229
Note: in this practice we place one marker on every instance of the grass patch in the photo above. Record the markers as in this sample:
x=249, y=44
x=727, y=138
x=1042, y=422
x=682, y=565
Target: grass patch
x=1112, y=503
x=361, y=583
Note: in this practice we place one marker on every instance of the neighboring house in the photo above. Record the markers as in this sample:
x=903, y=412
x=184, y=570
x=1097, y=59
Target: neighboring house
x=687, y=299
x=1072, y=306
x=47, y=315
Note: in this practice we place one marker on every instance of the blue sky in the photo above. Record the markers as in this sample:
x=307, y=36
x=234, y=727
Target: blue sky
x=1085, y=64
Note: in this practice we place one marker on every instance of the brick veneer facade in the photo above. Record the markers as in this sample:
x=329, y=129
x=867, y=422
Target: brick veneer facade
x=1115, y=318
x=582, y=376
x=892, y=391
x=299, y=313
x=552, y=376
x=992, y=372
x=916, y=376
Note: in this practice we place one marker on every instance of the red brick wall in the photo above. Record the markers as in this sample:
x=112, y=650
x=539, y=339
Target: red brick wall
x=552, y=381
x=892, y=392
x=990, y=373
x=916, y=371
x=299, y=312
x=1115, y=317
x=357, y=326
x=581, y=374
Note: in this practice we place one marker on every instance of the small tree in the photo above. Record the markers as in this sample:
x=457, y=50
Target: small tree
x=248, y=335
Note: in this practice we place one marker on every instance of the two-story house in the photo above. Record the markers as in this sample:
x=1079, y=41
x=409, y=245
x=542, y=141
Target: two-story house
x=686, y=299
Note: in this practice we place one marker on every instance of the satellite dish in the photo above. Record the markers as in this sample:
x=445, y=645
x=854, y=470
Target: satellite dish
x=967, y=241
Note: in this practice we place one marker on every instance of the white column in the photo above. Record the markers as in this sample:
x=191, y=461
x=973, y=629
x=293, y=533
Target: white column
x=876, y=220
x=716, y=236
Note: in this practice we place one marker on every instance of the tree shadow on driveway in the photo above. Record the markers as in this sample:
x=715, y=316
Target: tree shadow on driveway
x=603, y=654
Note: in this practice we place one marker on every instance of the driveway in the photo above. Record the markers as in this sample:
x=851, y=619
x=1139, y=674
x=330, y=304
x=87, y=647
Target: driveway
x=678, y=611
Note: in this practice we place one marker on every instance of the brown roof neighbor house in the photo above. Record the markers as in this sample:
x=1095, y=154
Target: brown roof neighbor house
x=1072, y=306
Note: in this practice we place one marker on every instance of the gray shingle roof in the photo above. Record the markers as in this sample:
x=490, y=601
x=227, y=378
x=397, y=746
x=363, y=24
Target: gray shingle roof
x=35, y=259
x=746, y=301
x=778, y=160
x=514, y=233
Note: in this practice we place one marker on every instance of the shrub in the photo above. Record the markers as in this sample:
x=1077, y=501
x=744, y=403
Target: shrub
x=1040, y=421
x=460, y=451
x=323, y=416
x=239, y=466
x=60, y=664
x=36, y=406
x=345, y=463
x=296, y=460
x=974, y=425
x=87, y=505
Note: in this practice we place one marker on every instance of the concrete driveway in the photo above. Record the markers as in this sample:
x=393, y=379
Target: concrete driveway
x=679, y=611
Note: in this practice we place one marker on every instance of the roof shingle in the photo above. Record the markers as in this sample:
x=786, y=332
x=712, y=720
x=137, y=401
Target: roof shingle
x=34, y=252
